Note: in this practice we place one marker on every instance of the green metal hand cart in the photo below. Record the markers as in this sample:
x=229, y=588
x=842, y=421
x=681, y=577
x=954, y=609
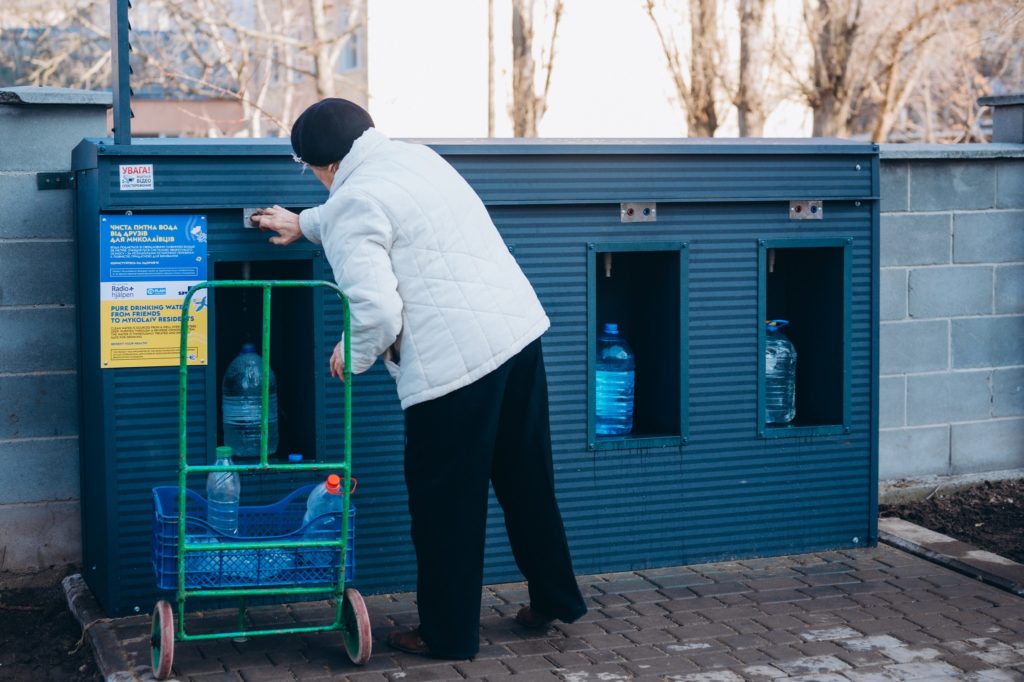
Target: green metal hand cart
x=274, y=554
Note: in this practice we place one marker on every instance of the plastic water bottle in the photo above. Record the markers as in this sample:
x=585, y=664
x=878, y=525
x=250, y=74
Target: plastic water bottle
x=275, y=564
x=779, y=375
x=242, y=403
x=326, y=498
x=616, y=369
x=223, y=492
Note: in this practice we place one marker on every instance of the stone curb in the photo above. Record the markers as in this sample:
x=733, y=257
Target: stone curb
x=901, y=491
x=955, y=555
x=97, y=630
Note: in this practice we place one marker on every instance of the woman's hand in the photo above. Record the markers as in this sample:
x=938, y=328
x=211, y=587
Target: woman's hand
x=281, y=221
x=338, y=362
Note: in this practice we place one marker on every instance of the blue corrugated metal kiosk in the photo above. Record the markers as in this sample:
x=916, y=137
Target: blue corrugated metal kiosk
x=689, y=245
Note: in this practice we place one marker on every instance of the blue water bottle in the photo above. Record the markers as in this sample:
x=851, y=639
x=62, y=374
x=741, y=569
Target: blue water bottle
x=779, y=375
x=616, y=370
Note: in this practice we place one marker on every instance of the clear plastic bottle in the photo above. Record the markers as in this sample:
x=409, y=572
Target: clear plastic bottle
x=616, y=370
x=242, y=399
x=779, y=375
x=223, y=493
x=326, y=498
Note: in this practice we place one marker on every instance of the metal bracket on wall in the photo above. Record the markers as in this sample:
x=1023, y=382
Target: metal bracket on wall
x=246, y=214
x=638, y=212
x=806, y=210
x=62, y=180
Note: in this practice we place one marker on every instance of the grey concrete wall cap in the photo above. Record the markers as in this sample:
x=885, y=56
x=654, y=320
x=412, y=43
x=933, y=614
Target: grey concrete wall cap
x=30, y=94
x=996, y=150
x=1002, y=100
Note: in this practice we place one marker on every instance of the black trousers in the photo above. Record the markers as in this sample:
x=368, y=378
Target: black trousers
x=495, y=429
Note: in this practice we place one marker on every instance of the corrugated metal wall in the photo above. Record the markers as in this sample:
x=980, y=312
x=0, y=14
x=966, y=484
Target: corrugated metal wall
x=725, y=493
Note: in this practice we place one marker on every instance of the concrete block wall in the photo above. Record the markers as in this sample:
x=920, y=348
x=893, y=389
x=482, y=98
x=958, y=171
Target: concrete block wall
x=39, y=475
x=952, y=310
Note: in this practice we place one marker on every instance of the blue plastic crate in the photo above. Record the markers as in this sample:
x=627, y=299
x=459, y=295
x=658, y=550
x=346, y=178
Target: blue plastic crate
x=281, y=521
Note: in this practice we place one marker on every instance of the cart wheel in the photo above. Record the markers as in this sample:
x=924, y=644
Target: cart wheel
x=162, y=639
x=356, y=627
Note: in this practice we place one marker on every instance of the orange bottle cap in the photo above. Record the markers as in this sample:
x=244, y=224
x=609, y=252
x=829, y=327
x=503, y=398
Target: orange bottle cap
x=333, y=484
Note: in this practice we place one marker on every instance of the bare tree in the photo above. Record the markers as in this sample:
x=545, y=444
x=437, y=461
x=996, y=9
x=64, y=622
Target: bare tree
x=223, y=56
x=984, y=58
x=750, y=92
x=268, y=55
x=696, y=82
x=833, y=27
x=39, y=47
x=904, y=56
x=490, y=68
x=889, y=64
x=870, y=56
x=529, y=106
x=885, y=69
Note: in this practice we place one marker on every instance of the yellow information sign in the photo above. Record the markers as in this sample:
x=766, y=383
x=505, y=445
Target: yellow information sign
x=147, y=265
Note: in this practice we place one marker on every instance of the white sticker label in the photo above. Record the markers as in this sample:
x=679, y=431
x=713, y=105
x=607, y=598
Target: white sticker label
x=138, y=176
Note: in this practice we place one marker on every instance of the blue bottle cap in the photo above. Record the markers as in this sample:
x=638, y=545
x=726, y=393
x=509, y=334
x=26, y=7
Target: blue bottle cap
x=295, y=457
x=775, y=325
x=248, y=348
x=611, y=328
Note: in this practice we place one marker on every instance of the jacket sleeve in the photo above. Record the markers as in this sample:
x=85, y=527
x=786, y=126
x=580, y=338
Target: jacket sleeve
x=357, y=236
x=309, y=223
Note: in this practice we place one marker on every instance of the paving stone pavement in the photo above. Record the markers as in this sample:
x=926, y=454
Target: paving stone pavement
x=871, y=615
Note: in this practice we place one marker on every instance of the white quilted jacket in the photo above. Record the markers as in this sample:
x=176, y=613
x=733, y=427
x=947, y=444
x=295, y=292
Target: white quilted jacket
x=424, y=268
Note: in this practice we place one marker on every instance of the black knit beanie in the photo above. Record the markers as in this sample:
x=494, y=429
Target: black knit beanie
x=324, y=132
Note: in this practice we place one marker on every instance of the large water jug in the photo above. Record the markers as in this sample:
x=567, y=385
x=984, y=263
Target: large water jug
x=326, y=498
x=242, y=405
x=223, y=492
x=616, y=370
x=779, y=375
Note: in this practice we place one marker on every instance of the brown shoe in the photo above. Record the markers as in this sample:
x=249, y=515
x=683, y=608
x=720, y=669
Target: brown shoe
x=533, y=620
x=408, y=641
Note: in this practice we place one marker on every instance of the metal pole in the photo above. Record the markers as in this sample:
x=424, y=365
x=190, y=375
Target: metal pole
x=121, y=63
x=490, y=68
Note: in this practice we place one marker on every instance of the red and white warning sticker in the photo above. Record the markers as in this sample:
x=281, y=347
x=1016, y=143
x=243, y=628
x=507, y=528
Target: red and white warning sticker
x=136, y=176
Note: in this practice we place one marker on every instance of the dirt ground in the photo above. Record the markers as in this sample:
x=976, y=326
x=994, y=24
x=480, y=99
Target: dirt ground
x=37, y=632
x=989, y=515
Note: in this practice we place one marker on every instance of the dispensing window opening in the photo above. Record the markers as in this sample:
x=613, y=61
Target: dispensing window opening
x=640, y=290
x=238, y=320
x=803, y=310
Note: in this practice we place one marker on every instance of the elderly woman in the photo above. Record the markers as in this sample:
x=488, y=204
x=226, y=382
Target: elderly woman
x=433, y=289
